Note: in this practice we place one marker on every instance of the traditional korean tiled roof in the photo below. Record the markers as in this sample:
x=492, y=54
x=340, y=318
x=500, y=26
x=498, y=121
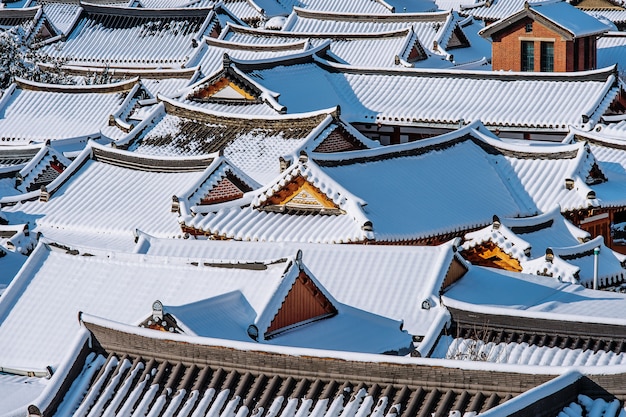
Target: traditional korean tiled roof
x=617, y=16
x=490, y=10
x=214, y=299
x=140, y=379
x=564, y=18
x=355, y=210
x=86, y=201
x=429, y=27
x=529, y=237
x=252, y=143
x=610, y=49
x=576, y=264
x=42, y=169
x=439, y=97
x=135, y=37
x=345, y=279
x=210, y=54
x=35, y=112
x=14, y=158
x=371, y=50
x=610, y=152
x=31, y=20
x=345, y=7
x=165, y=82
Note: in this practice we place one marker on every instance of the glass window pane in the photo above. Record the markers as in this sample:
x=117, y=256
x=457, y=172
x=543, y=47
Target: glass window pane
x=547, y=56
x=528, y=56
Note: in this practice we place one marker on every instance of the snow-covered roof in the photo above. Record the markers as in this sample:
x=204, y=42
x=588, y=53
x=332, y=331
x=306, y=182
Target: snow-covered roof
x=353, y=274
x=122, y=288
x=529, y=237
x=530, y=296
x=611, y=49
x=616, y=16
x=576, y=264
x=360, y=210
x=608, y=147
x=566, y=19
x=253, y=143
x=35, y=112
x=443, y=98
x=105, y=194
x=135, y=37
x=209, y=56
x=429, y=27
x=346, y=7
x=371, y=49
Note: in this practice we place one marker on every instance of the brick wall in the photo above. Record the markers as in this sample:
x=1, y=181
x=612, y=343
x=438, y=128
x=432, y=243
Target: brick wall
x=507, y=53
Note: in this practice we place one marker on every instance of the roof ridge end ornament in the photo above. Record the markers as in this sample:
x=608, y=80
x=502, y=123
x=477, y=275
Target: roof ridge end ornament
x=227, y=62
x=526, y=5
x=299, y=259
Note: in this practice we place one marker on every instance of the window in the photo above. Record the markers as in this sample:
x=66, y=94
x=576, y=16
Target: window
x=528, y=56
x=547, y=56
x=529, y=27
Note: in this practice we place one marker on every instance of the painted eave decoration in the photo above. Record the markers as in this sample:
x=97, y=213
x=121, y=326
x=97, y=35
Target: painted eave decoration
x=226, y=86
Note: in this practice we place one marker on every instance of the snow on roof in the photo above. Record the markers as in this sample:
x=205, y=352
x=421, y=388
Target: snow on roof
x=440, y=97
x=611, y=49
x=253, y=143
x=62, y=14
x=575, y=21
x=617, y=16
x=339, y=6
x=528, y=237
x=500, y=292
x=351, y=273
x=610, y=152
x=566, y=19
x=487, y=10
x=122, y=288
x=35, y=112
x=371, y=49
x=526, y=179
x=210, y=54
x=429, y=27
x=135, y=37
x=576, y=264
x=109, y=193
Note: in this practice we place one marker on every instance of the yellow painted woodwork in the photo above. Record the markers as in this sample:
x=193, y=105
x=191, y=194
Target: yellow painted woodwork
x=299, y=193
x=489, y=254
x=211, y=90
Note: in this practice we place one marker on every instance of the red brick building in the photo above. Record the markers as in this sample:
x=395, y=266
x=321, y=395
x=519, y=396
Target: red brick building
x=545, y=37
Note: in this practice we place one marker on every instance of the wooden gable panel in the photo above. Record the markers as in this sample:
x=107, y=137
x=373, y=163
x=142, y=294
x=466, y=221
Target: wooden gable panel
x=458, y=39
x=416, y=53
x=304, y=303
x=300, y=195
x=455, y=272
x=338, y=141
x=227, y=189
x=49, y=174
x=491, y=255
x=224, y=89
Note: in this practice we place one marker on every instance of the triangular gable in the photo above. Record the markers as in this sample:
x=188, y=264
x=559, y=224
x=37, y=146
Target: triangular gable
x=44, y=32
x=229, y=187
x=595, y=175
x=457, y=39
x=489, y=254
x=226, y=86
x=304, y=303
x=299, y=195
x=49, y=174
x=339, y=140
x=416, y=52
